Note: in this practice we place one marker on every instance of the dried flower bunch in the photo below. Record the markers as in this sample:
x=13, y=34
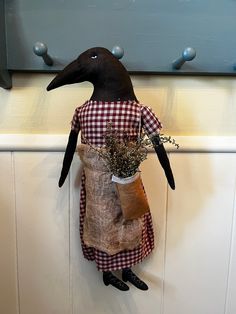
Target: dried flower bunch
x=168, y=139
x=123, y=155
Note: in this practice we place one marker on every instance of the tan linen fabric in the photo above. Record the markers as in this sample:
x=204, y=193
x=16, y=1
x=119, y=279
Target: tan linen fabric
x=104, y=226
x=133, y=199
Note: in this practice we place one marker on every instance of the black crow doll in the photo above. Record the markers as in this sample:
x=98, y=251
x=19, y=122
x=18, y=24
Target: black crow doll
x=107, y=238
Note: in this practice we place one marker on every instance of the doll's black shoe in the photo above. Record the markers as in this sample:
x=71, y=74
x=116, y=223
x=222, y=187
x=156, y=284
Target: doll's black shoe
x=110, y=279
x=128, y=275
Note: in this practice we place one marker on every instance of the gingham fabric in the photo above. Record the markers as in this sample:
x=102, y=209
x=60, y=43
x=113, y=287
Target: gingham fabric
x=91, y=119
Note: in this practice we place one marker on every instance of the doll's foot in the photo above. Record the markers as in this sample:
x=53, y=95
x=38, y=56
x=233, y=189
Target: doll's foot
x=110, y=279
x=128, y=275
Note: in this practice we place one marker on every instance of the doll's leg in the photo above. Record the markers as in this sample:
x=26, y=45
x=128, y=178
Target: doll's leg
x=110, y=279
x=128, y=275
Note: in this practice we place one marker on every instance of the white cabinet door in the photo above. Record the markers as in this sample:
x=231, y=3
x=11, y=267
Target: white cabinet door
x=199, y=230
x=8, y=258
x=43, y=234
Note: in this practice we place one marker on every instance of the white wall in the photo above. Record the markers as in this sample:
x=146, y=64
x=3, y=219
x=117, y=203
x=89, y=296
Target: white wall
x=186, y=105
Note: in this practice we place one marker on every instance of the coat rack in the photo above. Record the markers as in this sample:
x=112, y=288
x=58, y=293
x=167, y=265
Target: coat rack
x=41, y=50
x=118, y=52
x=151, y=38
x=188, y=55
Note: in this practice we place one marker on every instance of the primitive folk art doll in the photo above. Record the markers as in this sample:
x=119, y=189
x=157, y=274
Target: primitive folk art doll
x=107, y=237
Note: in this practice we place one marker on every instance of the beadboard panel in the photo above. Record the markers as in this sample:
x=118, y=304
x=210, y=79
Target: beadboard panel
x=231, y=300
x=8, y=263
x=199, y=227
x=43, y=234
x=192, y=269
x=85, y=274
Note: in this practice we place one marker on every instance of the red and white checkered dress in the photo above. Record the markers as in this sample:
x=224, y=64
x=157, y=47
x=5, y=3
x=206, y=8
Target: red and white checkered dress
x=91, y=119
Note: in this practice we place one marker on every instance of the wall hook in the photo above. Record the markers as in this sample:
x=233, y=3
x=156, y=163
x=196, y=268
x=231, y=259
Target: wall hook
x=187, y=55
x=118, y=52
x=41, y=50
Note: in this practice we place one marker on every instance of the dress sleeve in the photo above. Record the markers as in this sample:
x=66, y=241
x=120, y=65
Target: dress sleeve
x=150, y=122
x=75, y=125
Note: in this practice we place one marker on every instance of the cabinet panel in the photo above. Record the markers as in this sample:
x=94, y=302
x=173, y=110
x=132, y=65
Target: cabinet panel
x=231, y=301
x=8, y=258
x=43, y=234
x=199, y=228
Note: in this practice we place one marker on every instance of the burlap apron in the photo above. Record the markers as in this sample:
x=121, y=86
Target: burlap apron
x=104, y=226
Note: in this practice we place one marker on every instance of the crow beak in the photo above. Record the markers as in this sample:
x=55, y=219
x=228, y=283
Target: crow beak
x=72, y=73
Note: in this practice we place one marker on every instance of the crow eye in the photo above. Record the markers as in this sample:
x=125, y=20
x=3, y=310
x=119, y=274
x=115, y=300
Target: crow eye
x=94, y=56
